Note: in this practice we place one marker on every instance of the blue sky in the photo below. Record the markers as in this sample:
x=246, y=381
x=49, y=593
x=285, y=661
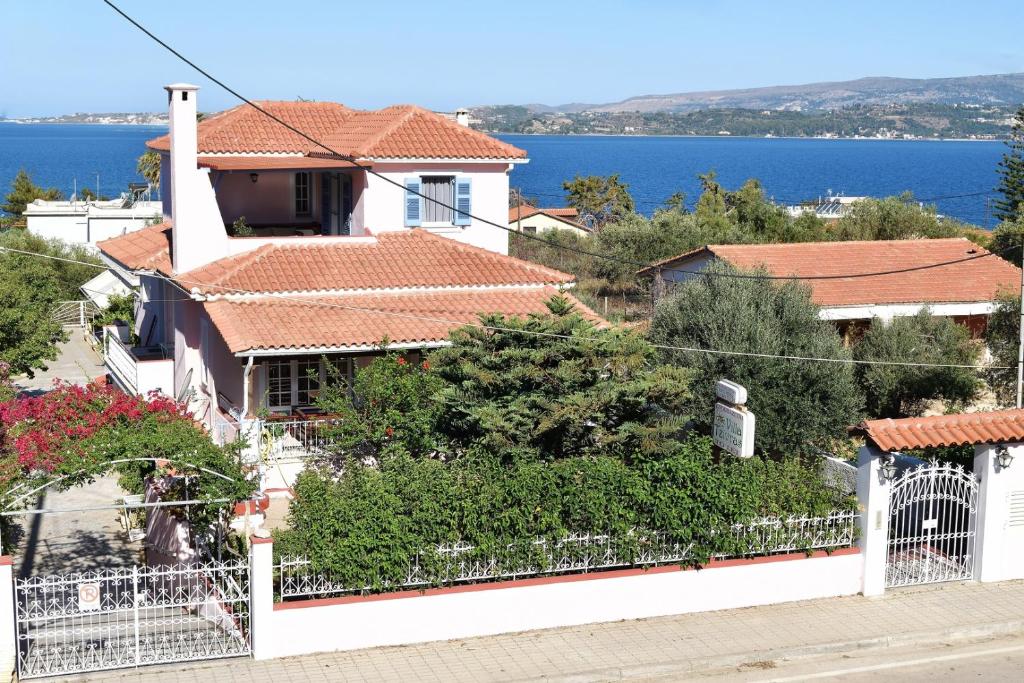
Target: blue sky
x=61, y=56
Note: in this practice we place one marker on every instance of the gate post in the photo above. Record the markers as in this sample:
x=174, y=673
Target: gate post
x=873, y=498
x=999, y=540
x=261, y=594
x=8, y=638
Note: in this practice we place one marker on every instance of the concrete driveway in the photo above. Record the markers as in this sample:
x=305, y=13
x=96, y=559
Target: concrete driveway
x=77, y=363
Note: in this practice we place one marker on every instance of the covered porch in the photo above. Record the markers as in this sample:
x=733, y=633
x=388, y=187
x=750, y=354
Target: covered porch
x=283, y=426
x=288, y=196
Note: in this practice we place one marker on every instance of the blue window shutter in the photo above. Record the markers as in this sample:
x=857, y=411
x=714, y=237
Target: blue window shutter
x=463, y=201
x=413, y=203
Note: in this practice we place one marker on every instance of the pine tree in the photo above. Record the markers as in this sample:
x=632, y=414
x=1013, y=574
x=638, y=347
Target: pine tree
x=24, y=192
x=1011, y=174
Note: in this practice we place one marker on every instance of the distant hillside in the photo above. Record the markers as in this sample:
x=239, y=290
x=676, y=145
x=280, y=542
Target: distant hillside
x=888, y=121
x=999, y=89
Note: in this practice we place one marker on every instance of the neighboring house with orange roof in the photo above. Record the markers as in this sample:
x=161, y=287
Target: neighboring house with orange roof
x=245, y=327
x=905, y=278
x=533, y=220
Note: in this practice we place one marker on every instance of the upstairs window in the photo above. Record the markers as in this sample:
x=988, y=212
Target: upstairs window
x=302, y=194
x=437, y=200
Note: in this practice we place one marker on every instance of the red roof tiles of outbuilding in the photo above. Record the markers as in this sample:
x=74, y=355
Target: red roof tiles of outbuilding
x=975, y=275
x=1001, y=426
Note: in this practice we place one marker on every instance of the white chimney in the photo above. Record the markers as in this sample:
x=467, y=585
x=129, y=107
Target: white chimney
x=462, y=117
x=198, y=234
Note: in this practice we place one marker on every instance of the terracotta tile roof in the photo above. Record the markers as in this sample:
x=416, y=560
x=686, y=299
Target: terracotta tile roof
x=364, y=320
x=975, y=280
x=527, y=211
x=945, y=430
x=145, y=249
x=403, y=131
x=403, y=259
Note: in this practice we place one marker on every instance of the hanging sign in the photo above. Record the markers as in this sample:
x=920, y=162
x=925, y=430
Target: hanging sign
x=733, y=429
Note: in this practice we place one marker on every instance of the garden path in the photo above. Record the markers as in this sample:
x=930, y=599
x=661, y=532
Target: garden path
x=77, y=363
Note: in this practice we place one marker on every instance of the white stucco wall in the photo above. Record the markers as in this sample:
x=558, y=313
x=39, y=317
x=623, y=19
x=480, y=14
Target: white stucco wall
x=384, y=204
x=543, y=223
x=72, y=228
x=999, y=547
x=486, y=609
x=87, y=224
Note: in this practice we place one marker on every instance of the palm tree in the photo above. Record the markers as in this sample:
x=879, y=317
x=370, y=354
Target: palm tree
x=148, y=167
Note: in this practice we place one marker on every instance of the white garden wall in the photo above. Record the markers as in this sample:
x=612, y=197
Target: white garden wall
x=297, y=628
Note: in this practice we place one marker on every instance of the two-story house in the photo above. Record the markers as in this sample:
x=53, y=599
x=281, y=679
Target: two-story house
x=338, y=260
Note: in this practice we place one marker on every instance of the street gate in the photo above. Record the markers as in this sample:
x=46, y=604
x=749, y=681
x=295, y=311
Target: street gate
x=932, y=525
x=127, y=617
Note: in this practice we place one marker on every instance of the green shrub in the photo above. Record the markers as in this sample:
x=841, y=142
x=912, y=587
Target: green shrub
x=365, y=524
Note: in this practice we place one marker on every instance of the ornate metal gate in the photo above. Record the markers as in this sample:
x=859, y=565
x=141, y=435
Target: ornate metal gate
x=932, y=525
x=118, y=618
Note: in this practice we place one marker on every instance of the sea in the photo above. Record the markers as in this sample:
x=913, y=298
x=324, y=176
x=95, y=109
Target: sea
x=956, y=176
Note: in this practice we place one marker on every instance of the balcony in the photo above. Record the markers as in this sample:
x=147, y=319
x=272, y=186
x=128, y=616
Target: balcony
x=280, y=446
x=138, y=369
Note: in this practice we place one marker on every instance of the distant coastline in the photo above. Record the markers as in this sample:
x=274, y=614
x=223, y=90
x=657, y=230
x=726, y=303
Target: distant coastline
x=109, y=119
x=499, y=133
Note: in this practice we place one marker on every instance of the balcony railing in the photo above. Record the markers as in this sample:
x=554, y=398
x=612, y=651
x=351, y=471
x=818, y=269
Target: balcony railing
x=289, y=440
x=138, y=369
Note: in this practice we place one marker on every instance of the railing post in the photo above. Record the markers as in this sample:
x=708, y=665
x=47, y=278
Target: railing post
x=8, y=634
x=261, y=595
x=81, y=314
x=873, y=497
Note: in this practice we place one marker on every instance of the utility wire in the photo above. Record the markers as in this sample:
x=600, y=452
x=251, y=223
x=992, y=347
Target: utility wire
x=583, y=252
x=319, y=301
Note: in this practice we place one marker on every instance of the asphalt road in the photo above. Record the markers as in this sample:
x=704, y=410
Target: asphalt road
x=990, y=660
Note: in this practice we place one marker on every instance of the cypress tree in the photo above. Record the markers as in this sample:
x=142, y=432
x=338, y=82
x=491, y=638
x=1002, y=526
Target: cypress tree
x=1011, y=174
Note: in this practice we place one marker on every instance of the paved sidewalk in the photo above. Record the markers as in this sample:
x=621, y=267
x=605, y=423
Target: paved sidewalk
x=77, y=363
x=668, y=648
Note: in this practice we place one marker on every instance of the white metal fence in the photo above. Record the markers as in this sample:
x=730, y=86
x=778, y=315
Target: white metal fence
x=289, y=440
x=75, y=313
x=117, y=618
x=579, y=553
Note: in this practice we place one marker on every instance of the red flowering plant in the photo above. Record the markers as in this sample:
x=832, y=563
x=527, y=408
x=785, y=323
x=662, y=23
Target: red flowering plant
x=80, y=432
x=45, y=432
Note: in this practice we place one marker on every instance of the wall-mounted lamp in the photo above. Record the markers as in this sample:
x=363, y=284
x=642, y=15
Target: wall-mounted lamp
x=254, y=177
x=889, y=467
x=1004, y=457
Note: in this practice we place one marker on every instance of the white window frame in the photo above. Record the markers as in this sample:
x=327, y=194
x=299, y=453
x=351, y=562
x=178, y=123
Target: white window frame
x=293, y=379
x=440, y=225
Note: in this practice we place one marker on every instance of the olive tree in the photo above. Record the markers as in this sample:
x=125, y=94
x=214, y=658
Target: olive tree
x=801, y=405
x=906, y=390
